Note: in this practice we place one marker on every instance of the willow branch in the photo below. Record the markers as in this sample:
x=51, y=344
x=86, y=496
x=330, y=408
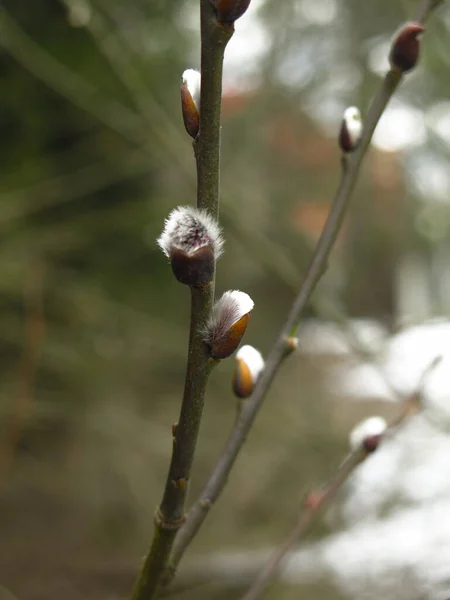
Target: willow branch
x=170, y=514
x=317, y=267
x=322, y=499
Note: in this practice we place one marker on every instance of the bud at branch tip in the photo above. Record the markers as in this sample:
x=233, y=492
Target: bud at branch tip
x=405, y=47
x=228, y=11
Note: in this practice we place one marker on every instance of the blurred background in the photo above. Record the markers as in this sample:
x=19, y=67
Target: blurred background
x=94, y=327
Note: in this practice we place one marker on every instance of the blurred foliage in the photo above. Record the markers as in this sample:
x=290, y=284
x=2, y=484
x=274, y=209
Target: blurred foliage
x=93, y=325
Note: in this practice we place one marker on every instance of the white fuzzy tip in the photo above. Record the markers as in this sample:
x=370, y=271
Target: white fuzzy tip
x=188, y=229
x=192, y=79
x=370, y=428
x=253, y=359
x=227, y=311
x=353, y=124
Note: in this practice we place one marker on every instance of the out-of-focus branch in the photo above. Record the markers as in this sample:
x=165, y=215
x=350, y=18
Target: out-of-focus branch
x=320, y=500
x=318, y=265
x=23, y=402
x=67, y=83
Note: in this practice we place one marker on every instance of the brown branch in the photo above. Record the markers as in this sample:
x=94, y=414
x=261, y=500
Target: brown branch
x=170, y=514
x=320, y=500
x=318, y=265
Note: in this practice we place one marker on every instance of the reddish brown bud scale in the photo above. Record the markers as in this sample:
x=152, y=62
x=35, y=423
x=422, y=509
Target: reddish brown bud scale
x=228, y=11
x=242, y=379
x=344, y=138
x=194, y=269
x=191, y=117
x=371, y=443
x=405, y=48
x=313, y=500
x=227, y=344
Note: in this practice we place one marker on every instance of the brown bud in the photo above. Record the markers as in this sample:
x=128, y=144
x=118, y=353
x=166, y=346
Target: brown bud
x=242, y=379
x=230, y=10
x=313, y=500
x=191, y=115
x=227, y=344
x=195, y=269
x=405, y=47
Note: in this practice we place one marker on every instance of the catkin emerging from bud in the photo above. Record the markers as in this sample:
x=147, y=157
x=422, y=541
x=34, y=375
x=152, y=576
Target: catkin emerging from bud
x=191, y=239
x=190, y=101
x=351, y=129
x=249, y=365
x=367, y=434
x=227, y=323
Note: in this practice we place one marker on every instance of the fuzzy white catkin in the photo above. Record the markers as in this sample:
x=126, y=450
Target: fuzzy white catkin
x=192, y=78
x=188, y=229
x=368, y=428
x=353, y=124
x=231, y=307
x=253, y=359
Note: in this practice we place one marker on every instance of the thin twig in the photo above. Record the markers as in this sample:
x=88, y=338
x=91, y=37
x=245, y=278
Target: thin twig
x=170, y=514
x=318, y=265
x=323, y=498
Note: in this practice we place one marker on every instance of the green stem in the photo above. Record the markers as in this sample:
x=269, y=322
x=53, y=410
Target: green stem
x=170, y=515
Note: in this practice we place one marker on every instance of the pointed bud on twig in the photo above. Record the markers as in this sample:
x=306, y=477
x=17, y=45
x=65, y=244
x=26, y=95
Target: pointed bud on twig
x=405, y=47
x=313, y=500
x=192, y=241
x=227, y=323
x=351, y=129
x=190, y=101
x=230, y=10
x=367, y=434
x=249, y=365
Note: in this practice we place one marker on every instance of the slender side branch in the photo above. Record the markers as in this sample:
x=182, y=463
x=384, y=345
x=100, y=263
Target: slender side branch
x=170, y=515
x=307, y=517
x=317, y=267
x=320, y=500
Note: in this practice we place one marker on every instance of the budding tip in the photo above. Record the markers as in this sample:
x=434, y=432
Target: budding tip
x=228, y=11
x=405, y=47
